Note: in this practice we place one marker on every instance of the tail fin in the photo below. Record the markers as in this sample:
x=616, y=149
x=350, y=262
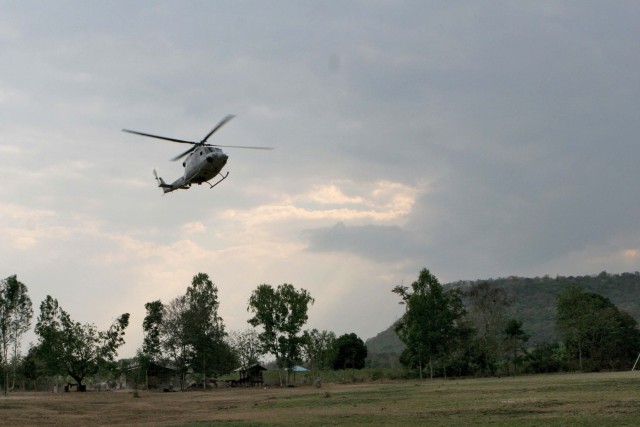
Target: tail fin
x=165, y=187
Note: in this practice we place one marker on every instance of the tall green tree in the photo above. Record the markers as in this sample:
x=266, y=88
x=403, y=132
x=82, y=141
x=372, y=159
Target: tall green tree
x=572, y=320
x=487, y=307
x=205, y=328
x=75, y=349
x=319, y=349
x=174, y=340
x=33, y=366
x=433, y=325
x=351, y=352
x=247, y=347
x=151, y=350
x=15, y=319
x=595, y=331
x=281, y=313
x=151, y=328
x=515, y=337
x=188, y=332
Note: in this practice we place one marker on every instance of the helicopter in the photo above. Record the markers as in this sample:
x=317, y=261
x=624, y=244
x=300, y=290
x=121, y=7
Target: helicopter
x=203, y=163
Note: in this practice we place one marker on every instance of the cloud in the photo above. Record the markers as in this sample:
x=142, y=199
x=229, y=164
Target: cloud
x=331, y=194
x=193, y=227
x=25, y=228
x=9, y=149
x=476, y=141
x=376, y=242
x=381, y=201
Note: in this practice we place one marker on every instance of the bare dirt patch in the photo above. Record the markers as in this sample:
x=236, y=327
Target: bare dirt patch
x=123, y=408
x=584, y=399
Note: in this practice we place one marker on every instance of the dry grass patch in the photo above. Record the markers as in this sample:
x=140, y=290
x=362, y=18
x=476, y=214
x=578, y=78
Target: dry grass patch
x=584, y=399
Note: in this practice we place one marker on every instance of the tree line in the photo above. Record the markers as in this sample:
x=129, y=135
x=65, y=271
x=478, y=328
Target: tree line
x=467, y=331
x=187, y=333
x=455, y=331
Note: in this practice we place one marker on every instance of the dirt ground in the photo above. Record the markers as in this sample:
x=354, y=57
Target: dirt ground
x=558, y=399
x=234, y=406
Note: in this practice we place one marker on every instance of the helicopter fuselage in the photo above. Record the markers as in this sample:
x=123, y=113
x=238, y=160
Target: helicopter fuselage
x=201, y=165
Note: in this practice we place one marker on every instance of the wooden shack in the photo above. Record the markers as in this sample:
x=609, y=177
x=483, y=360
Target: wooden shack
x=157, y=376
x=250, y=376
x=163, y=377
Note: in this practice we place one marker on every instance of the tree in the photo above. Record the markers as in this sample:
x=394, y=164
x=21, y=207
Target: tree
x=486, y=306
x=572, y=320
x=595, y=331
x=246, y=346
x=189, y=332
x=74, y=349
x=33, y=366
x=433, y=324
x=515, y=336
x=350, y=352
x=174, y=338
x=319, y=349
x=204, y=328
x=625, y=342
x=151, y=328
x=546, y=358
x=281, y=313
x=151, y=349
x=15, y=319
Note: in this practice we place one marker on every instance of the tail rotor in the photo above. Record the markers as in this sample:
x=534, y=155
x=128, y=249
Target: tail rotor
x=165, y=187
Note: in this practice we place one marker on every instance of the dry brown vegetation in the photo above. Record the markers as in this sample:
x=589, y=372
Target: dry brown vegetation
x=583, y=399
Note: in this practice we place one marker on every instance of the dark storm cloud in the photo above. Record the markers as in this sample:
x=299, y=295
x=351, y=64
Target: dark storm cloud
x=376, y=242
x=514, y=123
x=523, y=117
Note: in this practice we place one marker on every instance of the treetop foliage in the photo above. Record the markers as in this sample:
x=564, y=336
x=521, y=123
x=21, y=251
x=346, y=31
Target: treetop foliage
x=319, y=349
x=151, y=327
x=350, y=352
x=595, y=331
x=433, y=324
x=188, y=332
x=15, y=319
x=68, y=347
x=281, y=313
x=279, y=310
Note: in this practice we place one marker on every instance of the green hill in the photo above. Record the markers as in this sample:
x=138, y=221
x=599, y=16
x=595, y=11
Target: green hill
x=533, y=302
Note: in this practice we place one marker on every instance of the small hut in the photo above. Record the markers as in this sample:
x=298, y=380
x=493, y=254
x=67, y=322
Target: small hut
x=163, y=377
x=251, y=375
x=157, y=376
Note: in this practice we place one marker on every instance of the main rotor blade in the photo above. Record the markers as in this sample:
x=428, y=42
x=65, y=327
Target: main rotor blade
x=181, y=141
x=238, y=146
x=219, y=125
x=178, y=157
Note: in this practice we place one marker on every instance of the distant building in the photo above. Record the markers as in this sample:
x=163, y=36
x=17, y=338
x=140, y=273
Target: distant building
x=249, y=376
x=157, y=377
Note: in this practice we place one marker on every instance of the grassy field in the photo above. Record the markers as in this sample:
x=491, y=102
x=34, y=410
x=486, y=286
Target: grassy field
x=563, y=399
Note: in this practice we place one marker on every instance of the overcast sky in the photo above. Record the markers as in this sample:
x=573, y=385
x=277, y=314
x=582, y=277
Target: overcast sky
x=476, y=139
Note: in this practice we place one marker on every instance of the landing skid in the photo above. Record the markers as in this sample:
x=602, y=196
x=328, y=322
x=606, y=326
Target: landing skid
x=221, y=179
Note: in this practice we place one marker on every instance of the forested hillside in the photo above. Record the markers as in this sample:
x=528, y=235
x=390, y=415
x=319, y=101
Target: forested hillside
x=533, y=301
